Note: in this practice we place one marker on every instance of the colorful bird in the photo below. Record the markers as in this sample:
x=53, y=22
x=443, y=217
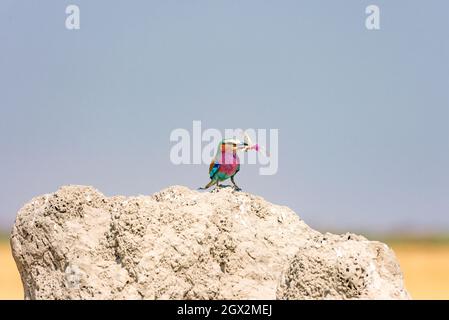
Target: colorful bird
x=226, y=163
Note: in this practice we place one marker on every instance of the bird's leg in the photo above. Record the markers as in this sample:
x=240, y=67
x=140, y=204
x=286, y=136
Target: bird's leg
x=208, y=185
x=236, y=187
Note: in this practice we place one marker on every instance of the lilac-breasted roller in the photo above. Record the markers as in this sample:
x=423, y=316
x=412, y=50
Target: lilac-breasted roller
x=226, y=163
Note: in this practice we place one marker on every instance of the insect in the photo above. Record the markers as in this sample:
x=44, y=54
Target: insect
x=226, y=163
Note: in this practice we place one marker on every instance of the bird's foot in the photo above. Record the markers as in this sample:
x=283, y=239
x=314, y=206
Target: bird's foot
x=237, y=188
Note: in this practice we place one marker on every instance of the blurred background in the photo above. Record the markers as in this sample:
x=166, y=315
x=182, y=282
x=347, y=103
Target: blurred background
x=363, y=115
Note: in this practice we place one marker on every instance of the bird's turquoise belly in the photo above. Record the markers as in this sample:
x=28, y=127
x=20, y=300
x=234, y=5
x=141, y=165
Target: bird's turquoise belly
x=221, y=176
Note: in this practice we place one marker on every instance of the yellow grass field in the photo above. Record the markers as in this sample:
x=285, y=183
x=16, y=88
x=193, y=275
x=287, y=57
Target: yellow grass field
x=10, y=284
x=425, y=267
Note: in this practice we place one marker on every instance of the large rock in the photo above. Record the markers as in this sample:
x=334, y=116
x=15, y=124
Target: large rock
x=182, y=244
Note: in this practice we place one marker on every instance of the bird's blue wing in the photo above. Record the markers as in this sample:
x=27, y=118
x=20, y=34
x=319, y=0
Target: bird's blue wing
x=213, y=169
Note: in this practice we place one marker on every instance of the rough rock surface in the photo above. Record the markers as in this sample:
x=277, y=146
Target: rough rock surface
x=181, y=244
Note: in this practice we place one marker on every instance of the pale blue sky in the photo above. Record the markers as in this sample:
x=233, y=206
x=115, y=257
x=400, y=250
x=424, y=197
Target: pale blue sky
x=363, y=116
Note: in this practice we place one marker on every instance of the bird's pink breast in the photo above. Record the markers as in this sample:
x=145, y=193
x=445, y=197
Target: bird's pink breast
x=228, y=158
x=228, y=163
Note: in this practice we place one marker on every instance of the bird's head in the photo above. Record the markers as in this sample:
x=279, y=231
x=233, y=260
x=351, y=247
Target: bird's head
x=231, y=145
